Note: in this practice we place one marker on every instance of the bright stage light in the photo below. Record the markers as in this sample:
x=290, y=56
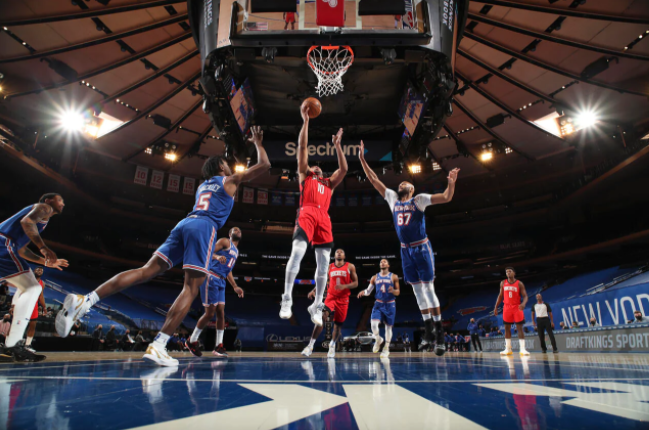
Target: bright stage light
x=486, y=156
x=72, y=121
x=170, y=156
x=586, y=119
x=239, y=168
x=415, y=168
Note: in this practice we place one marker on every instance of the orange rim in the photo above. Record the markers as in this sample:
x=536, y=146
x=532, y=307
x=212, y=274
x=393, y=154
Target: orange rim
x=330, y=48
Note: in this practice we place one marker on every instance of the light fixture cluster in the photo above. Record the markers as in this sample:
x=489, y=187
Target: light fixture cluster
x=436, y=166
x=573, y=122
x=466, y=130
x=126, y=105
x=168, y=150
x=18, y=39
x=239, y=168
x=92, y=87
x=415, y=168
x=636, y=40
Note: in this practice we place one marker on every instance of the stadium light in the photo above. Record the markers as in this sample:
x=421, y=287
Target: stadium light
x=170, y=156
x=239, y=168
x=486, y=156
x=586, y=119
x=415, y=168
x=72, y=121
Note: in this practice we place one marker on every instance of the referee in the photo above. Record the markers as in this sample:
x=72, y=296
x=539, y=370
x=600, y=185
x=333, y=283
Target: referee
x=542, y=315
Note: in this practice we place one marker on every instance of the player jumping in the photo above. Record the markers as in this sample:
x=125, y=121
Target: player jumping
x=512, y=291
x=385, y=308
x=342, y=278
x=225, y=256
x=416, y=253
x=313, y=224
x=15, y=234
x=191, y=242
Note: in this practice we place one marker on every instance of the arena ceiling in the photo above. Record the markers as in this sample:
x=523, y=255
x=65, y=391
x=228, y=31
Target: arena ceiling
x=137, y=59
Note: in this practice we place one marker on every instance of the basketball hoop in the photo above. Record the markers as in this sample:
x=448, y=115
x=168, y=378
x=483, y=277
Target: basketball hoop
x=330, y=63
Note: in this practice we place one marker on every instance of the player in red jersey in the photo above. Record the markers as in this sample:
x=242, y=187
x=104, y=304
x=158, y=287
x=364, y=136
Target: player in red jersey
x=342, y=278
x=289, y=18
x=512, y=291
x=313, y=224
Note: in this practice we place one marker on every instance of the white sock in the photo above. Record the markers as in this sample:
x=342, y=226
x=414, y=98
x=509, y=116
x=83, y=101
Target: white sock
x=437, y=317
x=293, y=266
x=92, y=298
x=375, y=329
x=522, y=344
x=426, y=317
x=312, y=343
x=219, y=337
x=332, y=344
x=508, y=344
x=161, y=340
x=30, y=290
x=322, y=256
x=388, y=335
x=195, y=335
x=28, y=341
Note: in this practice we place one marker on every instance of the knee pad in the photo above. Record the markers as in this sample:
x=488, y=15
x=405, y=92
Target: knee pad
x=420, y=295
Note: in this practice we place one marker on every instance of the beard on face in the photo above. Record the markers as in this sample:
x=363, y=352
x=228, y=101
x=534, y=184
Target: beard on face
x=403, y=192
x=236, y=237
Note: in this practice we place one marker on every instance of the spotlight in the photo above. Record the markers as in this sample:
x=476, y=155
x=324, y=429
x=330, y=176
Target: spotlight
x=5, y=28
x=436, y=166
x=415, y=168
x=0, y=88
x=72, y=121
x=170, y=156
x=239, y=168
x=148, y=151
x=508, y=150
x=586, y=119
x=486, y=156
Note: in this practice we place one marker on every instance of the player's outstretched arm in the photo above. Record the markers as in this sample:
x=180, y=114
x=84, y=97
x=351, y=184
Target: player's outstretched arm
x=339, y=174
x=499, y=299
x=221, y=244
x=367, y=291
x=446, y=196
x=262, y=166
x=524, y=297
x=29, y=224
x=28, y=255
x=371, y=176
x=302, y=144
x=237, y=289
x=396, y=290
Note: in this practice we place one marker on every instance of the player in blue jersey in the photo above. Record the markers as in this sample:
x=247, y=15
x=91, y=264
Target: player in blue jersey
x=191, y=242
x=385, y=308
x=416, y=253
x=15, y=234
x=225, y=256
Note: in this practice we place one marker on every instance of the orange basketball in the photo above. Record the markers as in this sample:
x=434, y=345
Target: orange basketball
x=314, y=106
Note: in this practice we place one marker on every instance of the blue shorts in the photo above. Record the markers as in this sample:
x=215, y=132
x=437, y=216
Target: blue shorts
x=418, y=263
x=191, y=242
x=385, y=312
x=11, y=263
x=213, y=291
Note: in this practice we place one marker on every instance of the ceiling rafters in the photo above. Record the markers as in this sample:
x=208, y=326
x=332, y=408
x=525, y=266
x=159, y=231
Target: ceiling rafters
x=110, y=38
x=547, y=66
x=567, y=12
x=154, y=106
x=489, y=131
x=555, y=39
x=156, y=75
x=503, y=106
x=108, y=68
x=194, y=147
x=173, y=127
x=453, y=135
x=88, y=13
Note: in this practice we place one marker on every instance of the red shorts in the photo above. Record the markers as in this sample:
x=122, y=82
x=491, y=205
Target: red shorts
x=316, y=225
x=513, y=315
x=35, y=313
x=339, y=306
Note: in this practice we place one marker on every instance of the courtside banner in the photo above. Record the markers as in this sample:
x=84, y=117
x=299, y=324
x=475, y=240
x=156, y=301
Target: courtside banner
x=326, y=151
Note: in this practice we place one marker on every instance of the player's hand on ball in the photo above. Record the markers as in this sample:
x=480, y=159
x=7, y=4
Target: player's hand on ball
x=452, y=175
x=304, y=111
x=311, y=295
x=58, y=264
x=239, y=292
x=257, y=135
x=221, y=259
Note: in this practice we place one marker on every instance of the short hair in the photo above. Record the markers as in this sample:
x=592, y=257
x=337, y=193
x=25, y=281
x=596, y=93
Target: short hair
x=510, y=268
x=48, y=196
x=212, y=166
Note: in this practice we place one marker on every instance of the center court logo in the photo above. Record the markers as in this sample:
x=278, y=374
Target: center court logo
x=332, y=3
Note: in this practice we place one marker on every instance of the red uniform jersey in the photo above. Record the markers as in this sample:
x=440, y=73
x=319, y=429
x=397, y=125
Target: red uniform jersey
x=512, y=293
x=316, y=192
x=339, y=276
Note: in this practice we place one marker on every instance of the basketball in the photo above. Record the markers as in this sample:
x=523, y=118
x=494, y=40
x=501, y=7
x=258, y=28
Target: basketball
x=314, y=107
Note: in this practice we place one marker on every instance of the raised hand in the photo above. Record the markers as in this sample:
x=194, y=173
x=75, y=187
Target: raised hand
x=257, y=135
x=361, y=151
x=452, y=175
x=304, y=111
x=58, y=264
x=337, y=138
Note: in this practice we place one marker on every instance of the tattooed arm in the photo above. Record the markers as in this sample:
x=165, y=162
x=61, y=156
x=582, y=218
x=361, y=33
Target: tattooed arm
x=40, y=212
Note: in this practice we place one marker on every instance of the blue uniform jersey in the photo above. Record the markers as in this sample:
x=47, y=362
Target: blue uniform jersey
x=213, y=202
x=231, y=255
x=408, y=216
x=383, y=284
x=12, y=229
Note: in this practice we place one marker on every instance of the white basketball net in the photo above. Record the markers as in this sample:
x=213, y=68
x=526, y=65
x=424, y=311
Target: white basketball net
x=330, y=63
